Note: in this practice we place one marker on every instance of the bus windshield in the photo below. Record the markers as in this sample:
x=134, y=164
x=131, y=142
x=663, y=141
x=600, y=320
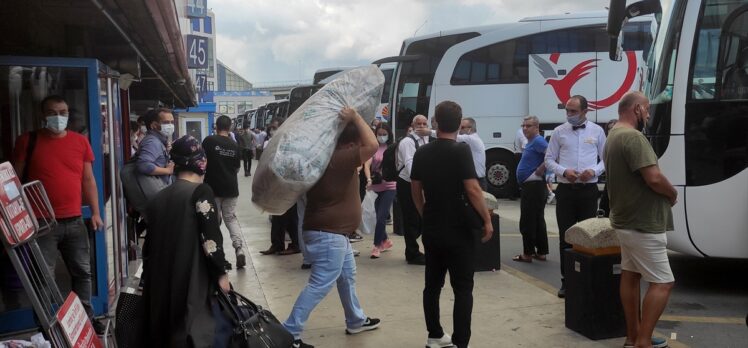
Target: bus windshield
x=416, y=77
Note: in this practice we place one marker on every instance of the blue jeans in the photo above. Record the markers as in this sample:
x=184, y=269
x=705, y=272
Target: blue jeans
x=70, y=237
x=332, y=262
x=382, y=206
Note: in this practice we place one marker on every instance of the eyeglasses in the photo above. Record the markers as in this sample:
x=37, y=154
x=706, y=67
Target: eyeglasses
x=528, y=125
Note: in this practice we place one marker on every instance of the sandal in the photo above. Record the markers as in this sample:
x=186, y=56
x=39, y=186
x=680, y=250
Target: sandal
x=520, y=258
x=539, y=257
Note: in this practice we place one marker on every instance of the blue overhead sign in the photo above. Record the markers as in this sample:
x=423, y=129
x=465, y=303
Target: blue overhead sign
x=197, y=52
x=197, y=8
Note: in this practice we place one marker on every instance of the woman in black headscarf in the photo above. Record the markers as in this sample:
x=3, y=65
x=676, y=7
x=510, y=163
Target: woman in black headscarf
x=186, y=260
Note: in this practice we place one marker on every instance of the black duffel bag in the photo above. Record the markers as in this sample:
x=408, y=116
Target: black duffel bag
x=253, y=326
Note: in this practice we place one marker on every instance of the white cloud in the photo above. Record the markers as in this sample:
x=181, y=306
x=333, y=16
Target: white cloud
x=269, y=41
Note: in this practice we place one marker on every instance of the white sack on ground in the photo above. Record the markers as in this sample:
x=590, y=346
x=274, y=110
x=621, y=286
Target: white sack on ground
x=300, y=149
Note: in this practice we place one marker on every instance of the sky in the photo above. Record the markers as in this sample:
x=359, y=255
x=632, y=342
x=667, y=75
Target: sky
x=274, y=42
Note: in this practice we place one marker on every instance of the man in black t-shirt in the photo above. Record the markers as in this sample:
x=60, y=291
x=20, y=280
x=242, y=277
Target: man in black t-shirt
x=442, y=174
x=224, y=161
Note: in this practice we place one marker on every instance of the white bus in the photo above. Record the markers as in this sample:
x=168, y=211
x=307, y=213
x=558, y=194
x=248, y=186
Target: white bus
x=502, y=73
x=697, y=80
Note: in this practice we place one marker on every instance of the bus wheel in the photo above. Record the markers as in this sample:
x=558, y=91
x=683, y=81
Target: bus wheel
x=501, y=169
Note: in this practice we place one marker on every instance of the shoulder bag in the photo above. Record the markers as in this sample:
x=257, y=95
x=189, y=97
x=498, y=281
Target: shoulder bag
x=252, y=325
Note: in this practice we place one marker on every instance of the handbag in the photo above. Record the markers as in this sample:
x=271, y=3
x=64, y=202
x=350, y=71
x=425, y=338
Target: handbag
x=253, y=326
x=129, y=326
x=472, y=219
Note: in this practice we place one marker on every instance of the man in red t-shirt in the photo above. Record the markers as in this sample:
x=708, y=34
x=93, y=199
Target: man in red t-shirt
x=61, y=160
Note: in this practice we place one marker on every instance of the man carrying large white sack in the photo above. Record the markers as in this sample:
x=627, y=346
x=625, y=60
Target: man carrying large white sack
x=332, y=213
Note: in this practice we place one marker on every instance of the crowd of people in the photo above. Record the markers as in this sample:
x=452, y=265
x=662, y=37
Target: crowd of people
x=195, y=189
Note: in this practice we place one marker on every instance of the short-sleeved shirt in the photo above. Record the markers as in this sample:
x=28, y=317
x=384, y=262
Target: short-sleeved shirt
x=333, y=203
x=58, y=163
x=441, y=166
x=532, y=157
x=223, y=164
x=633, y=205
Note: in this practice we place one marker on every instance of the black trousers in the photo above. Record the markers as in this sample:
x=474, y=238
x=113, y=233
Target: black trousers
x=411, y=220
x=457, y=258
x=247, y=158
x=574, y=203
x=280, y=224
x=532, y=219
x=258, y=153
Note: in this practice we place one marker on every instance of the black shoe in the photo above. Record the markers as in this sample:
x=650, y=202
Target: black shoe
x=227, y=266
x=306, y=266
x=369, y=324
x=355, y=237
x=418, y=260
x=561, y=293
x=270, y=251
x=98, y=326
x=300, y=344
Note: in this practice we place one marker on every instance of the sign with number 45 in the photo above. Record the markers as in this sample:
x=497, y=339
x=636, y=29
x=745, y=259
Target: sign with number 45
x=197, y=52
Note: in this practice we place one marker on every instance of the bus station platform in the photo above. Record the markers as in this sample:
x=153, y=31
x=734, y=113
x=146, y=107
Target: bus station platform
x=509, y=310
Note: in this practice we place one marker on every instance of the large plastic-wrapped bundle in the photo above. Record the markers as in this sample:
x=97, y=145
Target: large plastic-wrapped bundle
x=298, y=153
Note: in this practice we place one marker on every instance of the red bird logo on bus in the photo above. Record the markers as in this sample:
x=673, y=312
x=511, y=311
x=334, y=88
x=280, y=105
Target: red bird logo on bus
x=562, y=86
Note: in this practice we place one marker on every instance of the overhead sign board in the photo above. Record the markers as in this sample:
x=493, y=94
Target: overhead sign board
x=197, y=8
x=17, y=224
x=197, y=52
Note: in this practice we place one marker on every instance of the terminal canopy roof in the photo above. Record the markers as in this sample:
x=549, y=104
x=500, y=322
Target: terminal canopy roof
x=139, y=37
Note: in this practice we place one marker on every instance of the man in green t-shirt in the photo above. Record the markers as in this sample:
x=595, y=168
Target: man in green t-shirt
x=640, y=201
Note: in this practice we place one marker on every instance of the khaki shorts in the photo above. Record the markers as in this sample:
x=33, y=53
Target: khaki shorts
x=646, y=254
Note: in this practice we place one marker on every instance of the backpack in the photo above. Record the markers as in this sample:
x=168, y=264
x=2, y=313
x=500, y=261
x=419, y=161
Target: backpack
x=390, y=172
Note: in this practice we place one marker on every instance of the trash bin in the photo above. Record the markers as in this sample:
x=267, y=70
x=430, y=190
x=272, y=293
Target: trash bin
x=488, y=254
x=593, y=302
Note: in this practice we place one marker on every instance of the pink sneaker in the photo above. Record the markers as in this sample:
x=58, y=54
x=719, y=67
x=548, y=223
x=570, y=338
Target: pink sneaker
x=386, y=245
x=375, y=252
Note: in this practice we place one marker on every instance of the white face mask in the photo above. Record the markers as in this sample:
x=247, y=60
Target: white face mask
x=167, y=130
x=143, y=129
x=383, y=138
x=57, y=123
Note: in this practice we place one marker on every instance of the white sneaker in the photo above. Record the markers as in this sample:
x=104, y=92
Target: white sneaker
x=445, y=341
x=551, y=197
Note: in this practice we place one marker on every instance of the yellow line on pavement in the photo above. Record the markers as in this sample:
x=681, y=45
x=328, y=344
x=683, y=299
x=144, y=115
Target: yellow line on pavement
x=705, y=320
x=550, y=235
x=530, y=279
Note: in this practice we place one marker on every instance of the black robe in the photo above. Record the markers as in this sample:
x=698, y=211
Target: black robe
x=183, y=260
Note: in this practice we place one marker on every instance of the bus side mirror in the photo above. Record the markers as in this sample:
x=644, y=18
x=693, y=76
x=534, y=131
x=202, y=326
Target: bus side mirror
x=619, y=15
x=616, y=18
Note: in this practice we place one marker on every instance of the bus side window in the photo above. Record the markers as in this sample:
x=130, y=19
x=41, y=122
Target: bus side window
x=734, y=55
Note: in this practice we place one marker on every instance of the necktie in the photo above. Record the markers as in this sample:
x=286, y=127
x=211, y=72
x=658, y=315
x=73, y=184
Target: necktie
x=577, y=127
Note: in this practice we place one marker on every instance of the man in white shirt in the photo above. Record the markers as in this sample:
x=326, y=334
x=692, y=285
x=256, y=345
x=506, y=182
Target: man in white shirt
x=411, y=220
x=520, y=141
x=575, y=155
x=469, y=135
x=260, y=136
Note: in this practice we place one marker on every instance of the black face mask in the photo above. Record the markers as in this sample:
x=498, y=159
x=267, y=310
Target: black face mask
x=640, y=123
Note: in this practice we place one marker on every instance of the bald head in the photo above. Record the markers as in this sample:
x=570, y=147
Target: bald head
x=630, y=100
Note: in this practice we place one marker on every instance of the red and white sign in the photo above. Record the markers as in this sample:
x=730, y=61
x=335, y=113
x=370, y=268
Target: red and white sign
x=76, y=325
x=17, y=223
x=554, y=78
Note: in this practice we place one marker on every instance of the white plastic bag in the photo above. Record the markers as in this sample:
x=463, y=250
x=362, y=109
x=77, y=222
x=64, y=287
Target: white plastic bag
x=300, y=150
x=368, y=213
